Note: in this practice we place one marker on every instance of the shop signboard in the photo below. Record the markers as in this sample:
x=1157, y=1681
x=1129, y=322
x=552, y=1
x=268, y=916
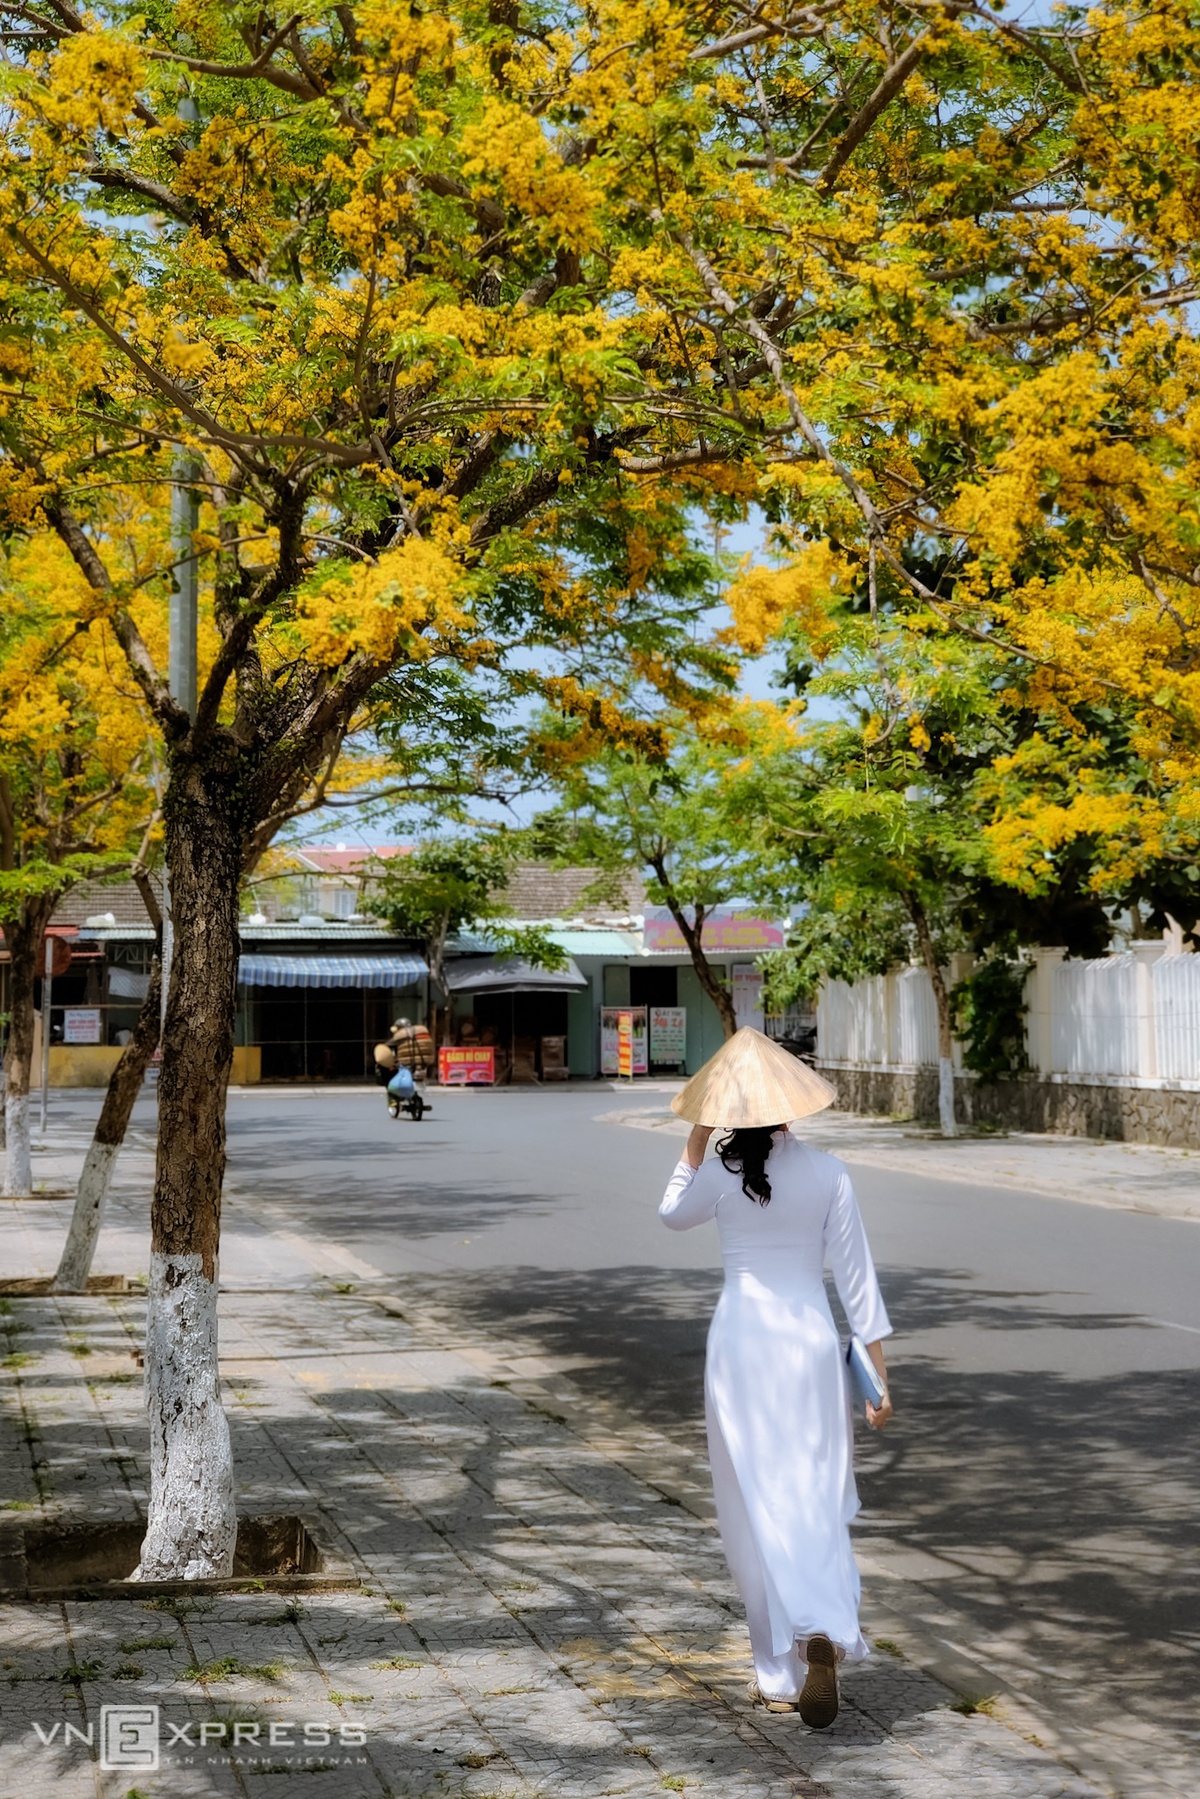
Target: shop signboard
x=725, y=928
x=467, y=1065
x=668, y=1033
x=625, y=1045
x=81, y=1024
x=610, y=1027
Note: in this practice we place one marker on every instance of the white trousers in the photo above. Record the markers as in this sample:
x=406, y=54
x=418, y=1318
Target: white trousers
x=778, y=1676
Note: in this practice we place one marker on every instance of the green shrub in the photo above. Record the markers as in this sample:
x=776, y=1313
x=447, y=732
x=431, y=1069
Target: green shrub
x=989, y=1018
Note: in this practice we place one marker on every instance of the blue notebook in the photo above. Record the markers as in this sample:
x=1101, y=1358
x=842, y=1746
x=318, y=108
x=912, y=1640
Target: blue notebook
x=864, y=1376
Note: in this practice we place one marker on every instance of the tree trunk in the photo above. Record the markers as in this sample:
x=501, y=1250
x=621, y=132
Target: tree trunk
x=941, y=999
x=706, y=974
x=125, y=1083
x=192, y=1522
x=25, y=937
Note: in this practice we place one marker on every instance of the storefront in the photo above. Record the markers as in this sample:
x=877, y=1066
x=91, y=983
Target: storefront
x=519, y=1012
x=317, y=1017
x=312, y=999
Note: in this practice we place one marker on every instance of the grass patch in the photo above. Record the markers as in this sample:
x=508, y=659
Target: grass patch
x=397, y=1605
x=136, y=1645
x=176, y=1606
x=292, y=1613
x=674, y=1783
x=888, y=1647
x=225, y=1668
x=352, y=1698
x=19, y=1505
x=128, y=1671
x=17, y=1359
x=401, y=1661
x=230, y=1667
x=79, y=1346
x=967, y=1706
x=344, y=1287
x=476, y=1760
x=90, y=1670
x=340, y=1638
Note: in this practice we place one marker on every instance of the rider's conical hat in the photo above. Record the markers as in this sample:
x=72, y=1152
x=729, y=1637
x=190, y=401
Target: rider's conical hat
x=752, y=1082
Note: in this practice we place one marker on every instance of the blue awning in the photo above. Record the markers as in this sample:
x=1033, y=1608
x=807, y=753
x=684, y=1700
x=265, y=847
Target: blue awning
x=399, y=970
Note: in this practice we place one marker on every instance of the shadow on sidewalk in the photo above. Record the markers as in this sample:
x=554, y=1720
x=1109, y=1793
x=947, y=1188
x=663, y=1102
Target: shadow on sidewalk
x=1039, y=1484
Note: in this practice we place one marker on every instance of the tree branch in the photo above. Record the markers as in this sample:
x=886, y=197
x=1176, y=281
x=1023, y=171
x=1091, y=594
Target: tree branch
x=886, y=91
x=8, y=827
x=171, y=716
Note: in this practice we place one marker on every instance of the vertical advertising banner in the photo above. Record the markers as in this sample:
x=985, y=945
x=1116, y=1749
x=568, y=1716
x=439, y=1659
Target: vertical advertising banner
x=610, y=1051
x=625, y=1045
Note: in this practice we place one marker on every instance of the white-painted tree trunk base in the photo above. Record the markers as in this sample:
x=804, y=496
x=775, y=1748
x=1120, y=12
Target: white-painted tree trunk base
x=18, y=1166
x=90, y=1198
x=192, y=1524
x=946, y=1117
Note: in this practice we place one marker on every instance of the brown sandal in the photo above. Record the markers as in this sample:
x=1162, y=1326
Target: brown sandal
x=819, y=1700
x=754, y=1694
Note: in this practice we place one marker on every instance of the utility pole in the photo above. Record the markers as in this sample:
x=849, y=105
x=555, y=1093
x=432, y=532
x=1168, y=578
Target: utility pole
x=182, y=674
x=47, y=989
x=182, y=655
x=185, y=520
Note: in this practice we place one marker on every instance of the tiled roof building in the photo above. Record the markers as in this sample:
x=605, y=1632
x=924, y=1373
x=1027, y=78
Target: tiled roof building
x=540, y=892
x=95, y=899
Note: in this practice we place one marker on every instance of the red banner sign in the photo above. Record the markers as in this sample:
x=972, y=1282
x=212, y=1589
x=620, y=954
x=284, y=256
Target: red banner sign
x=468, y=1066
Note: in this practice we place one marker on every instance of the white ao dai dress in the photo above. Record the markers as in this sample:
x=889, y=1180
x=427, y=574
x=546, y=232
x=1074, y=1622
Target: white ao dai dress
x=777, y=1396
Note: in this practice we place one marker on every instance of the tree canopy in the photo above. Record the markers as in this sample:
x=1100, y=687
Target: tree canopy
x=695, y=822
x=462, y=320
x=405, y=283
x=450, y=884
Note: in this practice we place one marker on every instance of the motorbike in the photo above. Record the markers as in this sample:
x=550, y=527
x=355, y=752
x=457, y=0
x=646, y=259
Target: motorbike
x=404, y=1094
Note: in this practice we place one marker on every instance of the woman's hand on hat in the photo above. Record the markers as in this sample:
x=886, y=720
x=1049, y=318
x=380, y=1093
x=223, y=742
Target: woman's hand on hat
x=697, y=1143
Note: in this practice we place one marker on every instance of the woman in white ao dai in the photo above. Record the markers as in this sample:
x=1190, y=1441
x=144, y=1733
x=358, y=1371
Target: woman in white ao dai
x=777, y=1398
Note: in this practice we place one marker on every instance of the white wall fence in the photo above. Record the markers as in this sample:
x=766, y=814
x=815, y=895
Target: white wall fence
x=1134, y=1016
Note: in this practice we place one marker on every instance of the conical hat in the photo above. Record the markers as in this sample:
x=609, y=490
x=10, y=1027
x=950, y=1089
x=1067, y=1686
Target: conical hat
x=752, y=1082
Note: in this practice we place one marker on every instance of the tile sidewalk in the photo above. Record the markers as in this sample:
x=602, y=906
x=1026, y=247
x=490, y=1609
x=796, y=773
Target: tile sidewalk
x=544, y=1610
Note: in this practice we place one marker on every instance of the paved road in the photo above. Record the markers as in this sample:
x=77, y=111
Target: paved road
x=1036, y=1500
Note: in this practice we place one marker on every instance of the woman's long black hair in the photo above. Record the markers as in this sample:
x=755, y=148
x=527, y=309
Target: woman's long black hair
x=745, y=1153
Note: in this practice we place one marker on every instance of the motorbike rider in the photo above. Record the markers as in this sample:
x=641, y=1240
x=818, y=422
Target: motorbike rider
x=408, y=1046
